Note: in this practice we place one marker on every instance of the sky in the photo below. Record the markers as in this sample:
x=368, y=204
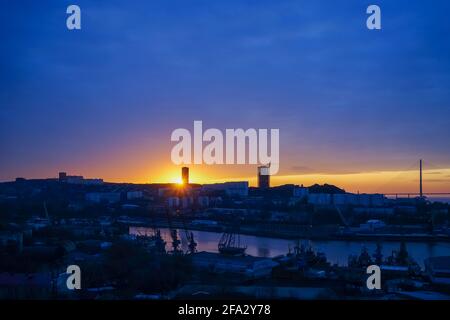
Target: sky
x=354, y=107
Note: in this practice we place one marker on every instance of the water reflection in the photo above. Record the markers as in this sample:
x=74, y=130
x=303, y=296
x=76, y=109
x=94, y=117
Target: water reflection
x=336, y=251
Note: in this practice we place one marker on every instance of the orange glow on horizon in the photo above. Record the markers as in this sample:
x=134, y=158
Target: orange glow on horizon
x=162, y=171
x=132, y=165
x=371, y=182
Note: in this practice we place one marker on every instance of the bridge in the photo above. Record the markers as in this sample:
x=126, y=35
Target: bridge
x=420, y=193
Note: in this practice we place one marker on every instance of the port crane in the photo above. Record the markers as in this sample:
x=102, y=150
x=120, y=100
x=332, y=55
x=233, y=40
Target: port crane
x=343, y=220
x=176, y=242
x=156, y=231
x=173, y=234
x=47, y=216
x=341, y=216
x=155, y=240
x=192, y=245
x=46, y=211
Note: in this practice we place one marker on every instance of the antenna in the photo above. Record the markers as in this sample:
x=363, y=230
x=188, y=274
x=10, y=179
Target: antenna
x=421, y=191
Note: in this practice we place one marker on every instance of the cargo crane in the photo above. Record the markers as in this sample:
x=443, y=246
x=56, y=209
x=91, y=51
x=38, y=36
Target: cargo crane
x=341, y=216
x=156, y=231
x=153, y=241
x=346, y=230
x=155, y=237
x=173, y=234
x=47, y=216
x=192, y=245
x=46, y=211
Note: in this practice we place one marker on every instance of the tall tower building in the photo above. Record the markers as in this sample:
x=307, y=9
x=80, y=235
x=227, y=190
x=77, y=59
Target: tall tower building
x=264, y=177
x=185, y=175
x=62, y=176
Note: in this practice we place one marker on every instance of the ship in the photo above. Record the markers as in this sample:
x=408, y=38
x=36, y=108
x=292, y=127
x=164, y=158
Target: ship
x=398, y=259
x=229, y=244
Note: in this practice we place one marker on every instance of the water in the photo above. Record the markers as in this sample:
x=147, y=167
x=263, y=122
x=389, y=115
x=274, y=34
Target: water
x=432, y=198
x=336, y=251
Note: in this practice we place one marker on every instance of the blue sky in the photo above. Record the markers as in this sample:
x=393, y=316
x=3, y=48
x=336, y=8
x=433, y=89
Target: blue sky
x=107, y=97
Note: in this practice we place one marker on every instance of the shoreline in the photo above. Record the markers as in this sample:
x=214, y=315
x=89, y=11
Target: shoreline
x=292, y=235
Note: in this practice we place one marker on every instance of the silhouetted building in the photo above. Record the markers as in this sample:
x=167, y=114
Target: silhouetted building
x=347, y=199
x=106, y=197
x=62, y=176
x=185, y=175
x=264, y=177
x=239, y=188
x=133, y=195
x=438, y=270
x=203, y=201
x=173, y=202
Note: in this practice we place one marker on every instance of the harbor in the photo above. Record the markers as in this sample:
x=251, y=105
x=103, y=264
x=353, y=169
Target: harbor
x=223, y=240
x=302, y=269
x=336, y=251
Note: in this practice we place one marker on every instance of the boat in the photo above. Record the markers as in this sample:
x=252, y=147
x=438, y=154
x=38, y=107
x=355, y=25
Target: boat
x=229, y=244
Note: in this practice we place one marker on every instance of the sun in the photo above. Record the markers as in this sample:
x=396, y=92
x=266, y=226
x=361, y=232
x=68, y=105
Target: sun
x=177, y=181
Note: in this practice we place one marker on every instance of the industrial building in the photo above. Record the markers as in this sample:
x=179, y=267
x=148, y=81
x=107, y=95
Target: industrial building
x=300, y=192
x=438, y=270
x=187, y=201
x=11, y=239
x=173, y=202
x=264, y=177
x=319, y=199
x=63, y=177
x=133, y=195
x=203, y=201
x=347, y=199
x=246, y=266
x=107, y=197
x=239, y=188
x=372, y=225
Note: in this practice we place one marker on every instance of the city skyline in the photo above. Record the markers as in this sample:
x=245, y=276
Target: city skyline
x=401, y=182
x=173, y=151
x=355, y=108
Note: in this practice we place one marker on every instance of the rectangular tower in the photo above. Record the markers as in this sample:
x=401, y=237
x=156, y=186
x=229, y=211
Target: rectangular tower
x=264, y=177
x=185, y=175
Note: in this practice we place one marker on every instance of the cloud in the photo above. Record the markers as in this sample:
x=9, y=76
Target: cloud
x=431, y=180
x=308, y=170
x=302, y=169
